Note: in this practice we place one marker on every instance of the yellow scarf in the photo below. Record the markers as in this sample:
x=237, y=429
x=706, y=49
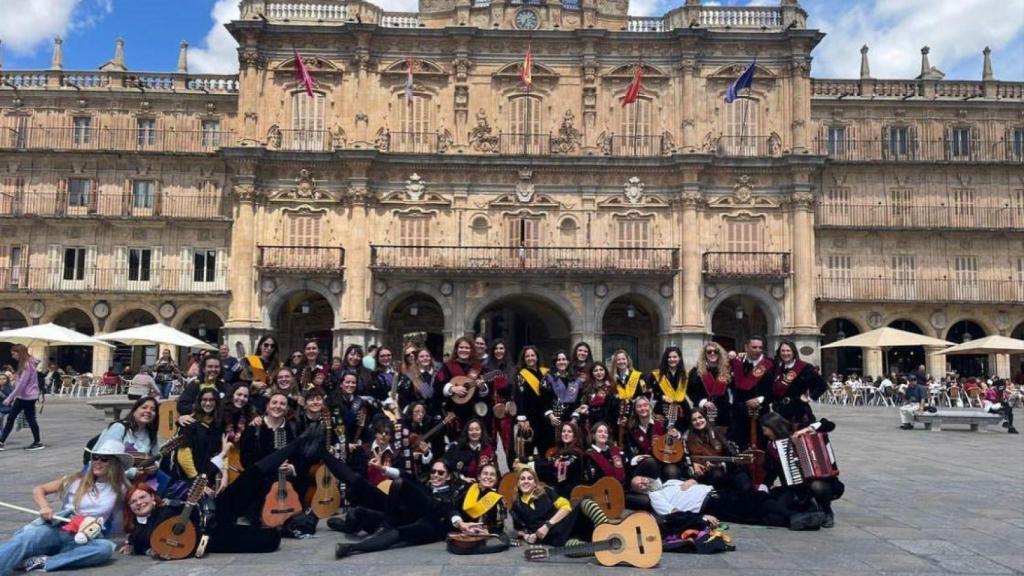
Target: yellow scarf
x=532, y=380
x=671, y=394
x=632, y=382
x=476, y=506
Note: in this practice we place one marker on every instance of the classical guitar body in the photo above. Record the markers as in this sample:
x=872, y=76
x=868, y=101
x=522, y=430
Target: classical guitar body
x=607, y=492
x=234, y=463
x=174, y=539
x=507, y=488
x=667, y=448
x=327, y=498
x=639, y=542
x=168, y=412
x=282, y=502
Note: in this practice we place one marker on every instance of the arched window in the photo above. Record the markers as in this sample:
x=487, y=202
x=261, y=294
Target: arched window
x=307, y=132
x=742, y=133
x=635, y=136
x=525, y=119
x=415, y=125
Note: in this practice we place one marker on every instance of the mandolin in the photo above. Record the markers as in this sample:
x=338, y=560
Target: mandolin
x=282, y=501
x=507, y=487
x=471, y=384
x=667, y=447
x=607, y=492
x=326, y=499
x=176, y=538
x=635, y=541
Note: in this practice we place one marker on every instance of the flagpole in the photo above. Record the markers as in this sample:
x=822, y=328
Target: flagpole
x=636, y=109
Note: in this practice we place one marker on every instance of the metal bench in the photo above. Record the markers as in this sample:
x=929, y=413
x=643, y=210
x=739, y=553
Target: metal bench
x=112, y=406
x=973, y=418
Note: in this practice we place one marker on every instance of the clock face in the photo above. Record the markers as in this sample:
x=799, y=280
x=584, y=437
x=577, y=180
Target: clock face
x=527, y=20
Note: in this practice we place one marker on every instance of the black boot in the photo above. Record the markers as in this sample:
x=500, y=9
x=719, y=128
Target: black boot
x=380, y=540
x=1012, y=430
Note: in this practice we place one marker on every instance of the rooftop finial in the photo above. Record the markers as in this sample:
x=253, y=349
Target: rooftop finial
x=986, y=71
x=117, y=63
x=183, y=57
x=925, y=65
x=865, y=68
x=57, y=61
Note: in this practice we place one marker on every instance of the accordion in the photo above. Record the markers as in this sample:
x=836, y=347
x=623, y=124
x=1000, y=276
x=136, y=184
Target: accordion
x=806, y=458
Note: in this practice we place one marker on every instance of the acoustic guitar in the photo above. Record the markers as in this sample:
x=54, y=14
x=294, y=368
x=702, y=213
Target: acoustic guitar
x=415, y=439
x=282, y=501
x=168, y=415
x=176, y=538
x=326, y=499
x=142, y=461
x=607, y=492
x=635, y=541
x=667, y=447
x=756, y=465
x=743, y=458
x=471, y=383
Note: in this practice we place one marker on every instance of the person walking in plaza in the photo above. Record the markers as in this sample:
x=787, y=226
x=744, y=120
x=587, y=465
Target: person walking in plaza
x=916, y=399
x=24, y=397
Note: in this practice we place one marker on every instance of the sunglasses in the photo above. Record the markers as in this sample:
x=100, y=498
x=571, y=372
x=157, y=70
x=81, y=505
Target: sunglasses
x=711, y=352
x=101, y=458
x=438, y=472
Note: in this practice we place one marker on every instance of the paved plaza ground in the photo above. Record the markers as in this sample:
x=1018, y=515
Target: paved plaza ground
x=949, y=502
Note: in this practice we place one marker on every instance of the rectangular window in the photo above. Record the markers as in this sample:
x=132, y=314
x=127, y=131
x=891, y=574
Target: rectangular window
x=741, y=129
x=1020, y=278
x=79, y=190
x=899, y=142
x=636, y=130
x=143, y=193
x=1017, y=144
x=145, y=130
x=139, y=262
x=415, y=126
x=745, y=241
x=965, y=278
x=414, y=236
x=835, y=210
x=901, y=274
x=633, y=235
x=963, y=207
x=15, y=266
x=211, y=134
x=303, y=237
x=74, y=264
x=836, y=141
x=900, y=209
x=204, y=265
x=20, y=132
x=81, y=132
x=307, y=123
x=960, y=143
x=839, y=276
x=525, y=119
x=12, y=194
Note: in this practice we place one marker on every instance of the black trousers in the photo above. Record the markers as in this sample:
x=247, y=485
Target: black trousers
x=748, y=507
x=405, y=508
x=17, y=407
x=1006, y=410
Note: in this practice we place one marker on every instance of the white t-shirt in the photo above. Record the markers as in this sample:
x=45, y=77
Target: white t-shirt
x=98, y=502
x=671, y=498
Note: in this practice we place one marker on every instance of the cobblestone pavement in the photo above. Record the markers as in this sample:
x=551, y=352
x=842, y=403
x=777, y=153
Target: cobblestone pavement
x=916, y=502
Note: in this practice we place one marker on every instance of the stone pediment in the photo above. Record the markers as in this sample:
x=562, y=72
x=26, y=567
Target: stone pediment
x=513, y=200
x=628, y=71
x=511, y=72
x=731, y=72
x=314, y=64
x=646, y=201
x=419, y=68
x=305, y=190
x=743, y=196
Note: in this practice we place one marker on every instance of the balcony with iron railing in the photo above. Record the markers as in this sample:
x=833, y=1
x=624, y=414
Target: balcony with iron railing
x=413, y=142
x=638, y=146
x=81, y=138
x=918, y=217
x=912, y=150
x=954, y=290
x=497, y=260
x=117, y=205
x=113, y=80
x=290, y=259
x=753, y=265
x=103, y=279
x=747, y=146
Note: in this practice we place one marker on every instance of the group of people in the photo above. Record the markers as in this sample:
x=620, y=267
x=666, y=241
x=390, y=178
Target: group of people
x=422, y=449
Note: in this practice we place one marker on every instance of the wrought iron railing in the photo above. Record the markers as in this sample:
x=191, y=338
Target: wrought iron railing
x=528, y=259
x=302, y=258
x=747, y=264
x=913, y=150
x=114, y=205
x=875, y=216
x=186, y=280
x=881, y=289
x=114, y=139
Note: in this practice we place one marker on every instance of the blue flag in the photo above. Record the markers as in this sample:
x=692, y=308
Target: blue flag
x=746, y=80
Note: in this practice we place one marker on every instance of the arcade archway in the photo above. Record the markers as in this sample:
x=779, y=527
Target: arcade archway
x=737, y=318
x=9, y=320
x=844, y=361
x=304, y=314
x=631, y=324
x=77, y=357
x=134, y=356
x=1017, y=360
x=204, y=325
x=417, y=318
x=521, y=321
x=967, y=365
x=905, y=359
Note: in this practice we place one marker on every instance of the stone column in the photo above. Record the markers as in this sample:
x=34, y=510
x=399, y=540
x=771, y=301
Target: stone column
x=242, y=317
x=1001, y=365
x=872, y=361
x=801, y=105
x=354, y=325
x=934, y=364
x=693, y=334
x=688, y=78
x=802, y=261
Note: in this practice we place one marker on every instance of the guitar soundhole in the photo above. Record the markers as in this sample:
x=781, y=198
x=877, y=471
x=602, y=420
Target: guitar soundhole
x=616, y=544
x=178, y=529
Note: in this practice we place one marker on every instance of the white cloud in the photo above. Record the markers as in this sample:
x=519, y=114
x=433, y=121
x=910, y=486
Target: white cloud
x=28, y=25
x=219, y=51
x=956, y=31
x=398, y=5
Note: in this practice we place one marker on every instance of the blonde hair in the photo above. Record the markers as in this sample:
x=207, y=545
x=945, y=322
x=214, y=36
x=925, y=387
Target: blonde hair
x=722, y=370
x=629, y=361
x=538, y=486
x=87, y=483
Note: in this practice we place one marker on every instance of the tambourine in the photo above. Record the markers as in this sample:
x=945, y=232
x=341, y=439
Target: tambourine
x=480, y=409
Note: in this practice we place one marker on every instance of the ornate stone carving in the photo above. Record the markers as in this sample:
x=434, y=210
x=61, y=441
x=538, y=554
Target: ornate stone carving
x=361, y=60
x=691, y=199
x=802, y=200
x=710, y=144
x=774, y=144
x=601, y=290
x=444, y=141
x=446, y=288
x=524, y=188
x=743, y=192
x=339, y=139
x=244, y=192
x=938, y=320
x=668, y=143
x=461, y=66
x=568, y=138
x=634, y=190
x=480, y=137
x=604, y=143
x=252, y=59
x=382, y=141
x=414, y=187
x=875, y=319
x=274, y=137
x=362, y=118
x=305, y=188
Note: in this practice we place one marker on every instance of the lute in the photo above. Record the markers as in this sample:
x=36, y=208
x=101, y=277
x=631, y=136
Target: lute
x=282, y=501
x=471, y=385
x=176, y=538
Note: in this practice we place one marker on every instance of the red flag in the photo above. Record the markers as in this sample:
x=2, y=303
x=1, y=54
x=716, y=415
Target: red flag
x=302, y=73
x=526, y=71
x=633, y=91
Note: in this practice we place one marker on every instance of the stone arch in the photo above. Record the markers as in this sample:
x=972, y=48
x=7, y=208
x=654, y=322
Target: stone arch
x=551, y=297
x=123, y=311
x=861, y=325
x=385, y=303
x=645, y=293
x=986, y=326
x=394, y=321
x=185, y=311
x=50, y=317
x=630, y=329
x=272, y=302
x=771, y=308
x=841, y=360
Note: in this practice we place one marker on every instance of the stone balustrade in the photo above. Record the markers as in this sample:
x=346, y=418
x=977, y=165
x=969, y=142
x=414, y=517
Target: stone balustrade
x=306, y=11
x=951, y=89
x=400, y=20
x=150, y=81
x=740, y=17
x=645, y=24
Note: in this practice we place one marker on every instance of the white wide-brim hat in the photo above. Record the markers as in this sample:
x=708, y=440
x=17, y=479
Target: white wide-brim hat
x=114, y=449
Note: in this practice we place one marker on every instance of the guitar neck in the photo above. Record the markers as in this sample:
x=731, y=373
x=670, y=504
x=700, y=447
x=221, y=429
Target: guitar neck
x=587, y=549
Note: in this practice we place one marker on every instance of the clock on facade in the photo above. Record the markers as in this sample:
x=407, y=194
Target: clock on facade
x=527, y=20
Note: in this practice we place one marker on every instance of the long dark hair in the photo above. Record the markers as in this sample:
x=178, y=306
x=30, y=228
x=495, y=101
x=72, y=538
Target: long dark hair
x=130, y=423
x=485, y=442
x=576, y=347
x=495, y=364
x=231, y=414
x=273, y=355
x=522, y=356
x=663, y=365
x=353, y=348
x=778, y=351
x=775, y=422
x=200, y=416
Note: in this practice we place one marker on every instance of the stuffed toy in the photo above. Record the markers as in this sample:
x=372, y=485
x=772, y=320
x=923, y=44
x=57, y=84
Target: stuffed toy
x=85, y=528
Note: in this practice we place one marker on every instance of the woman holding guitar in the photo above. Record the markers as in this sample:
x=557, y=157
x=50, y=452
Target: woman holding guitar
x=239, y=414
x=256, y=368
x=503, y=388
x=463, y=362
x=480, y=504
x=668, y=385
x=599, y=394
x=541, y=516
x=96, y=491
x=471, y=452
x=713, y=460
x=533, y=403
x=562, y=465
x=138, y=433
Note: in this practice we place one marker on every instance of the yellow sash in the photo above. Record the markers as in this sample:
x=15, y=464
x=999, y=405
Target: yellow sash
x=258, y=372
x=670, y=393
x=476, y=506
x=531, y=379
x=632, y=382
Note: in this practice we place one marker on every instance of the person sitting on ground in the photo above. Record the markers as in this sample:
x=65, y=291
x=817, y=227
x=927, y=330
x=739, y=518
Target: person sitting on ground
x=914, y=403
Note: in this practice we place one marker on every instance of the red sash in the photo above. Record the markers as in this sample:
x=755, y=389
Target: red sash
x=785, y=378
x=745, y=381
x=608, y=468
x=714, y=387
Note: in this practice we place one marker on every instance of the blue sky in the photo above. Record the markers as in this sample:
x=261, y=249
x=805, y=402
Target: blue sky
x=956, y=31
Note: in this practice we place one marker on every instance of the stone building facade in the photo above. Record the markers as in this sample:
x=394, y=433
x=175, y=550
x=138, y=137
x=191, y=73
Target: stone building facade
x=228, y=206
